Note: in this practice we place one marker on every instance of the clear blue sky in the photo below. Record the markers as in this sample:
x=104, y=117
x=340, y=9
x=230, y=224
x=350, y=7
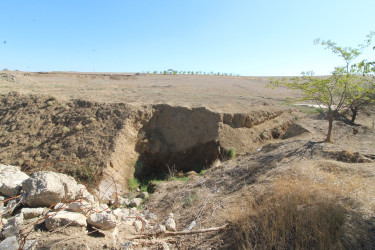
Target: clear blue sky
x=246, y=37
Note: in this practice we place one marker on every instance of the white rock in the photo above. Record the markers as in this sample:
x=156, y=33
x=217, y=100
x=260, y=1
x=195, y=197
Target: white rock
x=170, y=223
x=80, y=207
x=30, y=245
x=47, y=188
x=125, y=214
x=117, y=213
x=85, y=195
x=10, y=243
x=63, y=218
x=102, y=220
x=135, y=202
x=30, y=213
x=11, y=179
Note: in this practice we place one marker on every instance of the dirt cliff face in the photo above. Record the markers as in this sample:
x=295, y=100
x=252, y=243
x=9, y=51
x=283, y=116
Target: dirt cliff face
x=39, y=132
x=107, y=144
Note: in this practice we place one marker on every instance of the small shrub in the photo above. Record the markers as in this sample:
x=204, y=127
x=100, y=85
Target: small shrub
x=65, y=130
x=203, y=171
x=230, y=153
x=35, y=144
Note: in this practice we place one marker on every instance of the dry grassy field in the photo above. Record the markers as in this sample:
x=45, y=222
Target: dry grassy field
x=262, y=171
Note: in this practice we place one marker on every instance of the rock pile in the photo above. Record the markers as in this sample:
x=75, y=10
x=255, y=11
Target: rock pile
x=57, y=200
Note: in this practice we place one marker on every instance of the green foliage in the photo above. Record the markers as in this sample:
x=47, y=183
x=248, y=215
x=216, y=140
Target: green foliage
x=346, y=86
x=177, y=178
x=203, y=171
x=133, y=184
x=231, y=153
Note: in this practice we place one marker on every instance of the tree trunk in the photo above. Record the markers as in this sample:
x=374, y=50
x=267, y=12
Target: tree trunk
x=330, y=127
x=354, y=114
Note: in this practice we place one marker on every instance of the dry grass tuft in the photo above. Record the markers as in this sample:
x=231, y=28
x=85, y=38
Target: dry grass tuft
x=293, y=214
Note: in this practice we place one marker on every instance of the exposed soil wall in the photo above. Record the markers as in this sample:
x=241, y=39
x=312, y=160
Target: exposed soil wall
x=114, y=142
x=180, y=138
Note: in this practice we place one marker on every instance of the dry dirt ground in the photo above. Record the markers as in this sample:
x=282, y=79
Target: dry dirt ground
x=217, y=93
x=98, y=118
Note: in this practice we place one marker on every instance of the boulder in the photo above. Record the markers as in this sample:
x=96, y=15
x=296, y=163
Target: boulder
x=11, y=179
x=135, y=202
x=30, y=213
x=63, y=218
x=9, y=243
x=44, y=189
x=102, y=220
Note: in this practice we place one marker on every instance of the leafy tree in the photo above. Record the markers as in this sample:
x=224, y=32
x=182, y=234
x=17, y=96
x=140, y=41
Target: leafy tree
x=346, y=87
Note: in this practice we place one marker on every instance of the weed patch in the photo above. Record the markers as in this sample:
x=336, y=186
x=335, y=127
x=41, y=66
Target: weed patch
x=292, y=215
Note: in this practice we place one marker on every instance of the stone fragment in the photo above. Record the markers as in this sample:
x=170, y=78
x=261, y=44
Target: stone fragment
x=12, y=228
x=30, y=245
x=102, y=220
x=44, y=189
x=125, y=214
x=63, y=218
x=11, y=179
x=117, y=213
x=30, y=213
x=79, y=207
x=10, y=243
x=170, y=223
x=135, y=202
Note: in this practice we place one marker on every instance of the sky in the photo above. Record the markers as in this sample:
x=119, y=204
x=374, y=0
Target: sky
x=245, y=37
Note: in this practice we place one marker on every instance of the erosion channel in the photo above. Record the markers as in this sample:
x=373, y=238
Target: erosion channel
x=109, y=143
